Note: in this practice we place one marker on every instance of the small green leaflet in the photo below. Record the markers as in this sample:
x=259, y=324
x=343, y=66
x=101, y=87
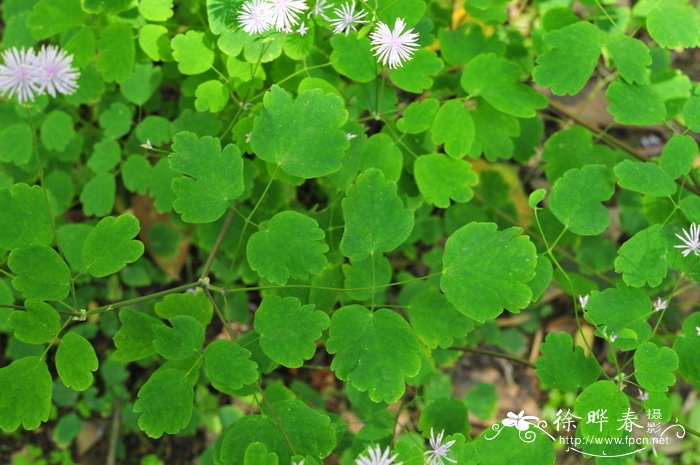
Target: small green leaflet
x=352, y=57
x=75, y=361
x=642, y=259
x=441, y=178
x=623, y=312
x=687, y=346
x=485, y=270
x=290, y=244
x=181, y=341
x=116, y=52
x=192, y=52
x=678, y=155
x=196, y=305
x=212, y=177
x=654, y=367
x=36, y=324
x=24, y=217
x=40, y=273
x=646, y=178
x=228, y=366
x=288, y=330
x=602, y=395
x=445, y=414
x=111, y=245
x=304, y=137
x=257, y=454
x=631, y=58
x=375, y=219
x=576, y=199
x=25, y=397
x=375, y=351
x=134, y=340
x=436, y=322
x=165, y=402
x=560, y=368
x=674, y=24
x=635, y=104
x=453, y=126
x=416, y=75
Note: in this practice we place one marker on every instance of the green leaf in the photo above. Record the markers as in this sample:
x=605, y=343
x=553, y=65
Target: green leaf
x=142, y=84
x=361, y=276
x=482, y=400
x=446, y=414
x=561, y=368
x=16, y=144
x=635, y=104
x=415, y=75
x=494, y=132
x=288, y=330
x=691, y=113
x=40, y=273
x=181, y=341
x=134, y=340
x=212, y=177
x=508, y=447
x=68, y=427
x=211, y=96
x=687, y=346
x=75, y=361
x=116, y=120
x=223, y=15
x=51, y=17
x=436, y=322
x=290, y=244
x=536, y=197
x=619, y=309
x=228, y=366
x=497, y=81
x=196, y=305
x=57, y=131
x=309, y=431
x=631, y=58
x=602, y=396
x=304, y=137
x=576, y=199
x=654, y=367
x=105, y=156
x=352, y=57
x=24, y=217
x=165, y=402
x=646, y=178
x=257, y=454
x=642, y=259
x=572, y=55
x=37, y=324
x=153, y=40
x=248, y=430
x=98, y=195
x=573, y=148
x=192, y=52
x=156, y=10
x=441, y=178
x=375, y=220
x=418, y=117
x=674, y=24
x=25, y=397
x=486, y=270
x=111, y=245
x=137, y=173
x=375, y=351
x=453, y=126
x=678, y=155
x=116, y=53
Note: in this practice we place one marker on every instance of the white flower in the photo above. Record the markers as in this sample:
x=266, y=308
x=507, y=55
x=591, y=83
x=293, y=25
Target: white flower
x=438, y=451
x=643, y=395
x=148, y=145
x=613, y=337
x=302, y=29
x=319, y=9
x=350, y=136
x=376, y=457
x=660, y=304
x=583, y=301
x=346, y=18
x=519, y=420
x=394, y=47
x=691, y=241
x=697, y=329
x=19, y=75
x=56, y=73
x=285, y=13
x=298, y=463
x=255, y=16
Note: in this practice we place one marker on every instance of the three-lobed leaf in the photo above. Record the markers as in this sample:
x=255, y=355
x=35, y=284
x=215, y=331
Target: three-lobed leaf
x=111, y=245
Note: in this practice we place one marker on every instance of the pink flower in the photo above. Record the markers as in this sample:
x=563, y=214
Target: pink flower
x=18, y=75
x=56, y=73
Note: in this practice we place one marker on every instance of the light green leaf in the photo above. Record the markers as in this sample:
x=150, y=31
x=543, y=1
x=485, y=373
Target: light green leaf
x=418, y=116
x=134, y=340
x=57, y=131
x=212, y=177
x=573, y=148
x=687, y=346
x=211, y=96
x=453, y=126
x=223, y=15
x=645, y=177
x=486, y=270
x=304, y=137
x=257, y=454
x=105, y=156
x=116, y=120
x=561, y=368
x=674, y=24
x=508, y=447
x=51, y=17
x=497, y=81
x=181, y=341
x=642, y=259
x=375, y=351
x=631, y=57
x=98, y=195
x=288, y=330
x=75, y=361
x=110, y=245
x=375, y=220
x=228, y=366
x=196, y=305
x=441, y=178
x=192, y=52
x=142, y=84
x=25, y=397
x=352, y=57
x=137, y=173
x=40, y=273
x=156, y=10
x=493, y=132
x=654, y=367
x=619, y=309
x=602, y=396
x=572, y=55
x=16, y=144
x=36, y=324
x=290, y=244
x=445, y=414
x=416, y=74
x=576, y=199
x=116, y=52
x=635, y=104
x=24, y=217
x=678, y=155
x=165, y=402
x=436, y=322
x=153, y=40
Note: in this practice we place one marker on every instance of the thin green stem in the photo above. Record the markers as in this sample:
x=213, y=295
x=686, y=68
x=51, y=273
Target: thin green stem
x=138, y=300
x=492, y=353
